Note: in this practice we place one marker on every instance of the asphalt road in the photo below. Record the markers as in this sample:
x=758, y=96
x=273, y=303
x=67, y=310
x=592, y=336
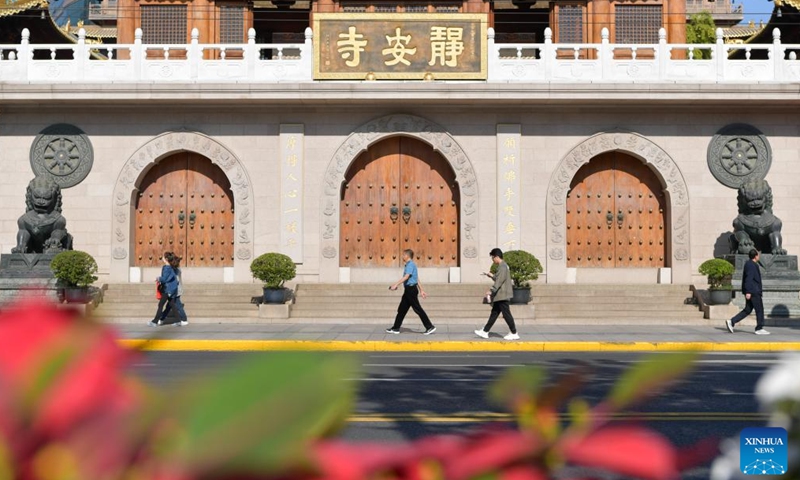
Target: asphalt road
x=403, y=396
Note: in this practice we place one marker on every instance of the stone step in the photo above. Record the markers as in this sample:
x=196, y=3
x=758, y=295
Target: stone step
x=622, y=321
x=634, y=301
x=589, y=306
x=187, y=298
x=372, y=312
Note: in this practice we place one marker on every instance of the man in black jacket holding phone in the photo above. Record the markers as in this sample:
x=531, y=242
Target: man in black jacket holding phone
x=751, y=288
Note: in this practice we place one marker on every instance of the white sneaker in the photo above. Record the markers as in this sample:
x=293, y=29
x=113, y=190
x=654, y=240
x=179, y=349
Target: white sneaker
x=729, y=325
x=482, y=334
x=182, y=323
x=762, y=332
x=512, y=336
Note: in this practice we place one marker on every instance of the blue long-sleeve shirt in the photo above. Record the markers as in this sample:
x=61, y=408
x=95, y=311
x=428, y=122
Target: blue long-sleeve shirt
x=169, y=280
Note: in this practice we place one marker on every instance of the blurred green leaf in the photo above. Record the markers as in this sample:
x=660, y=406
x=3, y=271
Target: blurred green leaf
x=260, y=415
x=518, y=385
x=6, y=467
x=649, y=377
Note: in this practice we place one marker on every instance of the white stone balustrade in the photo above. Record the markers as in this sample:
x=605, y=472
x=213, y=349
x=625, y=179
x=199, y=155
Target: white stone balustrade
x=193, y=62
x=625, y=63
x=546, y=62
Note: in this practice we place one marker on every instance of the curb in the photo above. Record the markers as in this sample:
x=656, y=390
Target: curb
x=162, y=345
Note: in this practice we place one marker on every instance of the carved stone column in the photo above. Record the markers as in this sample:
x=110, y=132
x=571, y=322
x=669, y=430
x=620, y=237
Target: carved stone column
x=508, y=186
x=292, y=159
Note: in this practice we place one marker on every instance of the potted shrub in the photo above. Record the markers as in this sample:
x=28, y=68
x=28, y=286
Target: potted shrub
x=523, y=268
x=719, y=273
x=273, y=269
x=75, y=271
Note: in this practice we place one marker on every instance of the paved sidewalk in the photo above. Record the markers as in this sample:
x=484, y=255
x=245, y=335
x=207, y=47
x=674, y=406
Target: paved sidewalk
x=295, y=336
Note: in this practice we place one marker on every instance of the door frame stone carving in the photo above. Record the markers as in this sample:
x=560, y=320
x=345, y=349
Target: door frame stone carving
x=666, y=169
x=135, y=168
x=373, y=132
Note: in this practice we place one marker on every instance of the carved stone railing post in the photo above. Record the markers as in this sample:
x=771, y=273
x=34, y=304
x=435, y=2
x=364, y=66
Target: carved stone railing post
x=548, y=54
x=25, y=53
x=307, y=54
x=80, y=55
x=195, y=54
x=251, y=54
x=493, y=62
x=606, y=56
x=777, y=55
x=663, y=54
x=137, y=54
x=720, y=54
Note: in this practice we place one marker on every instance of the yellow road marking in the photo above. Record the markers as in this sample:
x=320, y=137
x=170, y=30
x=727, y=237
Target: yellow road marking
x=162, y=344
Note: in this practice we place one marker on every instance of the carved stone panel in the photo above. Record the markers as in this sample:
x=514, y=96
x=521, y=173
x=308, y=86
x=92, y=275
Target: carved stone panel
x=63, y=153
x=739, y=153
x=135, y=169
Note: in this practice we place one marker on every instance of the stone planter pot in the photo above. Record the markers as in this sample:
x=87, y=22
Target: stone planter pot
x=719, y=297
x=77, y=294
x=522, y=296
x=274, y=296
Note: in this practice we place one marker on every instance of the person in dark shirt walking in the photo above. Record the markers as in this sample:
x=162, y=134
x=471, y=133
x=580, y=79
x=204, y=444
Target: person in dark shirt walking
x=412, y=288
x=751, y=288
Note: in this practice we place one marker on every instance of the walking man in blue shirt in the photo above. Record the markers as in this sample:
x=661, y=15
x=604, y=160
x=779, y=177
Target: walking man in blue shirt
x=412, y=289
x=751, y=287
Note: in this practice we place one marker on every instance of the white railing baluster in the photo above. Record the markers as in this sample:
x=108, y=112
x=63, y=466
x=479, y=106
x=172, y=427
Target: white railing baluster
x=251, y=54
x=776, y=55
x=721, y=55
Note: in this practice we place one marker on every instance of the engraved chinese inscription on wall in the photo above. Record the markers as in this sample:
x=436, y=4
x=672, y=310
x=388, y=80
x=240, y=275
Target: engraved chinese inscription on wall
x=508, y=186
x=399, y=46
x=291, y=140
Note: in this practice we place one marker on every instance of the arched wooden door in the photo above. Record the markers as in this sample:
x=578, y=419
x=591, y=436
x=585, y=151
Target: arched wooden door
x=399, y=194
x=185, y=205
x=615, y=215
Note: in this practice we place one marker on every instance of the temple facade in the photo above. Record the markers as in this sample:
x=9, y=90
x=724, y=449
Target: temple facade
x=610, y=162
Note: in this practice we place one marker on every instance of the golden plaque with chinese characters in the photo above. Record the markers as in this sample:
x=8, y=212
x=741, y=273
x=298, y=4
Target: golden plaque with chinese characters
x=417, y=46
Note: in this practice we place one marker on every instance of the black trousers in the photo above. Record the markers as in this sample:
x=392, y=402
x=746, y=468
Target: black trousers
x=410, y=300
x=755, y=303
x=498, y=308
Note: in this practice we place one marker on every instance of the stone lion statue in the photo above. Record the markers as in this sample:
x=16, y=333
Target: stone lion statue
x=756, y=226
x=42, y=229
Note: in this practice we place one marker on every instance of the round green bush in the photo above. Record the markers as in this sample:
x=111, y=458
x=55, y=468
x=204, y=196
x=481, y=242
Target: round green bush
x=74, y=268
x=522, y=266
x=273, y=269
x=719, y=273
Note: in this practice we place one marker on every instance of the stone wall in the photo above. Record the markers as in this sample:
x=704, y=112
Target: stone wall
x=252, y=135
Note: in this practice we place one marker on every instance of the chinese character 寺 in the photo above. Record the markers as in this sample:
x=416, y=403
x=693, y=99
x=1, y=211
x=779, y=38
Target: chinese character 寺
x=509, y=193
x=352, y=44
x=510, y=176
x=398, y=49
x=446, y=45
